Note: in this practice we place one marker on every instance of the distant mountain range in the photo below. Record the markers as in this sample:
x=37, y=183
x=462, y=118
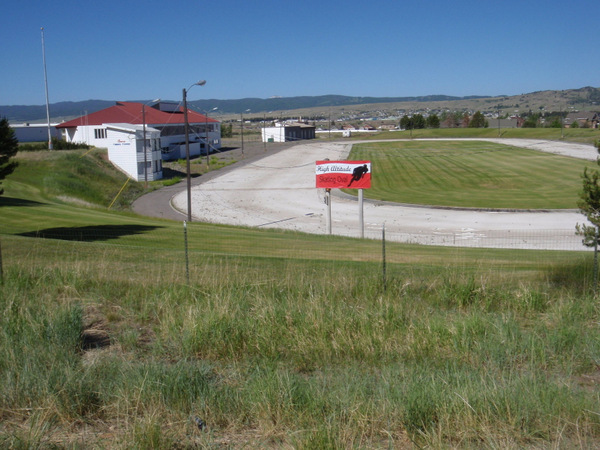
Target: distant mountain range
x=66, y=110
x=583, y=98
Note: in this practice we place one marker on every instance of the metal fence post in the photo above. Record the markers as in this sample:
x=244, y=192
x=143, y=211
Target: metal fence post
x=384, y=275
x=1, y=272
x=596, y=263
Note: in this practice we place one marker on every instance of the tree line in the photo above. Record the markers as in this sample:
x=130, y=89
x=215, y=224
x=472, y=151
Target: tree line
x=448, y=119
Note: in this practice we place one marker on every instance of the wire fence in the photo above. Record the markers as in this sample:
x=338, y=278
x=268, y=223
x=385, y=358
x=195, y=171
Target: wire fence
x=499, y=239
x=202, y=253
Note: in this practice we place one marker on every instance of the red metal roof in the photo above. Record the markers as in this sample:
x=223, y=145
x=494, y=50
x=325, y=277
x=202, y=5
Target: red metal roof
x=131, y=112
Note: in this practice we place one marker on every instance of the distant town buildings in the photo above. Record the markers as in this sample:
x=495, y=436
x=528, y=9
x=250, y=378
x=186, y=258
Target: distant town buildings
x=583, y=119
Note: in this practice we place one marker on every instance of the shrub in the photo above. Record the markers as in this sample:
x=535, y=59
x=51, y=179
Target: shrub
x=57, y=144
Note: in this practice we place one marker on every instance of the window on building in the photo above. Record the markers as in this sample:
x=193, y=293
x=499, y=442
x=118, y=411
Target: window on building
x=100, y=133
x=140, y=149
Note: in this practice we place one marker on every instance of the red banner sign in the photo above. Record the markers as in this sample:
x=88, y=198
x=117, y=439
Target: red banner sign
x=343, y=174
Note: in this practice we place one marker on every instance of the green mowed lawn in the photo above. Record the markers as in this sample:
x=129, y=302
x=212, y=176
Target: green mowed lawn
x=472, y=174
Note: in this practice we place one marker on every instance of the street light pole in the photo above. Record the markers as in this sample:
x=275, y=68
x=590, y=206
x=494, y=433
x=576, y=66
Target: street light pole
x=264, y=132
x=187, y=156
x=206, y=138
x=145, y=154
x=187, y=148
x=206, y=143
x=242, y=129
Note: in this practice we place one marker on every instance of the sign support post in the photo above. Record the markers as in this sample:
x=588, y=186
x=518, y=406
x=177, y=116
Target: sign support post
x=360, y=213
x=328, y=201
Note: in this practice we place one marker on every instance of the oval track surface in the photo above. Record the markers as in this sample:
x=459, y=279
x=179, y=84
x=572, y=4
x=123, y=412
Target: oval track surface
x=278, y=191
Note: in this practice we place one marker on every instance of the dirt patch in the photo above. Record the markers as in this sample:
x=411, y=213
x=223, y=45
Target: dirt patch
x=589, y=381
x=95, y=329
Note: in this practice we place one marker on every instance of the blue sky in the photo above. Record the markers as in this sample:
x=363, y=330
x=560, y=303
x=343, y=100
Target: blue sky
x=134, y=50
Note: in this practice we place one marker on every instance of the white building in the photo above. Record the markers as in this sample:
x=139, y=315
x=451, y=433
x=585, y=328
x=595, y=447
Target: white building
x=124, y=121
x=288, y=133
x=126, y=149
x=34, y=132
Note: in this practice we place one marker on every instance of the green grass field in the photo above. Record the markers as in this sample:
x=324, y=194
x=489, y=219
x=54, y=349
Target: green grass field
x=280, y=339
x=474, y=174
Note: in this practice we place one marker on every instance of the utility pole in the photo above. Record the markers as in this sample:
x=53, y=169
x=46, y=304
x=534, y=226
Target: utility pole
x=242, y=131
x=145, y=153
x=187, y=156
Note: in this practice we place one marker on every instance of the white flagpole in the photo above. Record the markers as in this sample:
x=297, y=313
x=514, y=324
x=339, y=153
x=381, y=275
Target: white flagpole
x=46, y=84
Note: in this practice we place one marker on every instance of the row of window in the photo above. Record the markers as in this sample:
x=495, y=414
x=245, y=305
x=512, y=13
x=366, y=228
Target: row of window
x=153, y=166
x=100, y=133
x=151, y=145
x=175, y=130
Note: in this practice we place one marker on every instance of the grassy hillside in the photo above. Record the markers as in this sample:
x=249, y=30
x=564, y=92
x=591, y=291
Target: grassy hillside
x=279, y=339
x=77, y=176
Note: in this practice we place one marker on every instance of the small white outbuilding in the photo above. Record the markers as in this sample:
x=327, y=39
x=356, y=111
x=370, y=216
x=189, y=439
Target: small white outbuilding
x=129, y=152
x=34, y=132
x=288, y=133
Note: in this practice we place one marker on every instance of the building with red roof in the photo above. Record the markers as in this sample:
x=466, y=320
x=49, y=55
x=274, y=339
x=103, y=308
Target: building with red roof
x=120, y=129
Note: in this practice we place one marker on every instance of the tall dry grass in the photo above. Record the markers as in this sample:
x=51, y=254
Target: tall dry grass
x=288, y=353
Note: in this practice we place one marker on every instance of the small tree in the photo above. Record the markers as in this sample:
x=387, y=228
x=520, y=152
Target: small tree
x=433, y=121
x=531, y=121
x=477, y=121
x=227, y=130
x=451, y=120
x=418, y=121
x=556, y=123
x=406, y=123
x=589, y=205
x=465, y=120
x=9, y=145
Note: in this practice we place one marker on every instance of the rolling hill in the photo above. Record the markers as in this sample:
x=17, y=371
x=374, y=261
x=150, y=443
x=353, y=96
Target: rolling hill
x=587, y=98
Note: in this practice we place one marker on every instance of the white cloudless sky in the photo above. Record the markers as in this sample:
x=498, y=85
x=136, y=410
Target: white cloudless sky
x=134, y=50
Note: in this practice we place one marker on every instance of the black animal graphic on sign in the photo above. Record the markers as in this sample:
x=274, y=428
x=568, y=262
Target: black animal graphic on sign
x=358, y=173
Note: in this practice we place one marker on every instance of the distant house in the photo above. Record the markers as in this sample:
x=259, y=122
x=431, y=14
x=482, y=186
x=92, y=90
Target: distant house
x=119, y=128
x=34, y=132
x=288, y=133
x=583, y=118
